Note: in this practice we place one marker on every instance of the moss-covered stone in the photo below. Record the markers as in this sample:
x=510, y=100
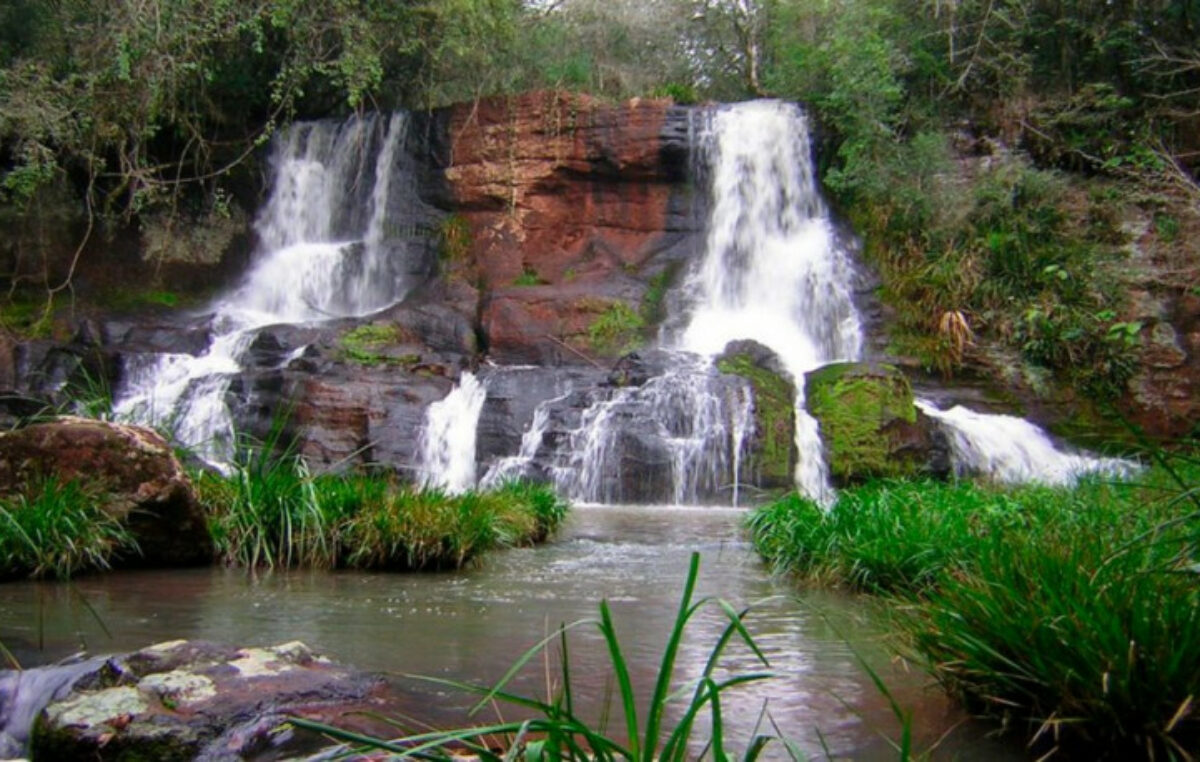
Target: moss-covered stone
x=870, y=426
x=773, y=452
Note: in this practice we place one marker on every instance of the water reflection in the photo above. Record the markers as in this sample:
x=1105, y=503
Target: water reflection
x=473, y=625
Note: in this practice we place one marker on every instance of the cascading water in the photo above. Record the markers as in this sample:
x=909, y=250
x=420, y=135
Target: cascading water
x=516, y=466
x=447, y=443
x=1012, y=450
x=683, y=417
x=328, y=247
x=773, y=270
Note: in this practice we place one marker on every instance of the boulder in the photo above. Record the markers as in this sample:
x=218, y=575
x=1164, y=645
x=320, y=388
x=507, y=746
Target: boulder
x=772, y=458
x=870, y=427
x=144, y=485
x=187, y=700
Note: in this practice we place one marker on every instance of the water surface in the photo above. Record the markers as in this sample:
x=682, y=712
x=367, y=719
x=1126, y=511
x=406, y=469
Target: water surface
x=473, y=625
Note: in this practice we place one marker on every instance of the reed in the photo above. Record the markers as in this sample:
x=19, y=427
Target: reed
x=1072, y=615
x=58, y=529
x=557, y=732
x=271, y=511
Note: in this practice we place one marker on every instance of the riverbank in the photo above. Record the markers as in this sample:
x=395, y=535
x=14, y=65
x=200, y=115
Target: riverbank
x=268, y=511
x=1071, y=616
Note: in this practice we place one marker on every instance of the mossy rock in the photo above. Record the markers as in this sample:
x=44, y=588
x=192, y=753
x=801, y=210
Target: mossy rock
x=773, y=456
x=870, y=426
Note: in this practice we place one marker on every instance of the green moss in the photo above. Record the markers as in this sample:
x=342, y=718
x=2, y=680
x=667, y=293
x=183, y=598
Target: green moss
x=529, y=277
x=26, y=317
x=366, y=345
x=454, y=238
x=616, y=330
x=774, y=418
x=652, y=302
x=853, y=404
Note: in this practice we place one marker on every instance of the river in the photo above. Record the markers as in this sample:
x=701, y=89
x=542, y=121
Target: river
x=472, y=625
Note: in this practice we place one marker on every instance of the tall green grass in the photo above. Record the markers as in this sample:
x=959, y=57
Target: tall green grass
x=557, y=732
x=58, y=529
x=271, y=511
x=1071, y=614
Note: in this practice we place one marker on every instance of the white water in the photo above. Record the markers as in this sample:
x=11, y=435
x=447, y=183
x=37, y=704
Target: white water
x=701, y=429
x=447, y=443
x=516, y=466
x=319, y=257
x=773, y=270
x=25, y=693
x=1012, y=450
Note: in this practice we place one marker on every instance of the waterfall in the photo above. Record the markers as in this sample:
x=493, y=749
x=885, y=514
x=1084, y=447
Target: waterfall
x=447, y=443
x=516, y=466
x=683, y=417
x=327, y=248
x=1012, y=450
x=773, y=270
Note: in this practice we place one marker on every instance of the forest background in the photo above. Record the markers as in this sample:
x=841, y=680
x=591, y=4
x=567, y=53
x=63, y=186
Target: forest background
x=991, y=154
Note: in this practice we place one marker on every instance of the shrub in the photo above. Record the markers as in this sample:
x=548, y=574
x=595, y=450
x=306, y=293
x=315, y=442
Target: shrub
x=616, y=330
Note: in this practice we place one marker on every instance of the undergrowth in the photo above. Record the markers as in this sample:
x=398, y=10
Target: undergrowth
x=1072, y=614
x=58, y=529
x=271, y=511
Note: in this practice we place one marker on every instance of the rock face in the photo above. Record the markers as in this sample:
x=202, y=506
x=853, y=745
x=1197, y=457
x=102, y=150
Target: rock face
x=773, y=456
x=146, y=487
x=190, y=700
x=870, y=427
x=567, y=210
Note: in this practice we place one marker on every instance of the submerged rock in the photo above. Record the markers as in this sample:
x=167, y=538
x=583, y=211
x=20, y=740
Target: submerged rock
x=186, y=700
x=142, y=482
x=870, y=425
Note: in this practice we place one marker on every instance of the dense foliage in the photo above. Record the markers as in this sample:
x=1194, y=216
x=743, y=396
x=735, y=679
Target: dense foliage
x=949, y=124
x=946, y=125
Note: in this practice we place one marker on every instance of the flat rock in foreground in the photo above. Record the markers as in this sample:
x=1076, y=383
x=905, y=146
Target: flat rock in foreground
x=186, y=700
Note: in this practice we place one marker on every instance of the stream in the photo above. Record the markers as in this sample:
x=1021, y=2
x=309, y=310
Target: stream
x=473, y=625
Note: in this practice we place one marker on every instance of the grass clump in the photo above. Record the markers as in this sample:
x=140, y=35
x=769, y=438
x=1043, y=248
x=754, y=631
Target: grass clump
x=423, y=528
x=1078, y=647
x=616, y=330
x=556, y=732
x=1072, y=614
x=271, y=511
x=367, y=345
x=58, y=529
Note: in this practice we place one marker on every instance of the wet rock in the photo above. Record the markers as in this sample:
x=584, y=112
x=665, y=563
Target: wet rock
x=772, y=459
x=25, y=693
x=143, y=483
x=514, y=395
x=870, y=427
x=186, y=700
